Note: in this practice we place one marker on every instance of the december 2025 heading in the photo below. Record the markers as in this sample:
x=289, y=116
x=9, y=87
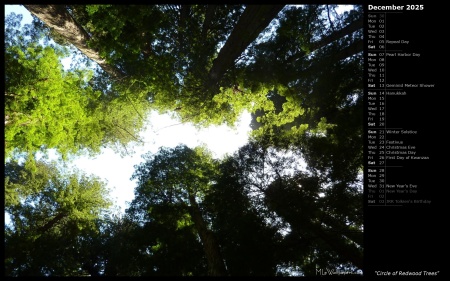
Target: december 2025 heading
x=395, y=7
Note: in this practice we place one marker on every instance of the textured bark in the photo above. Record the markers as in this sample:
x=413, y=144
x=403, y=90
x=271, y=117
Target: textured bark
x=216, y=266
x=251, y=23
x=59, y=19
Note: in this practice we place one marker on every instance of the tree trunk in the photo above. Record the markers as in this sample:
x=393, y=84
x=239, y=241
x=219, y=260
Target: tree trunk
x=251, y=23
x=216, y=266
x=59, y=19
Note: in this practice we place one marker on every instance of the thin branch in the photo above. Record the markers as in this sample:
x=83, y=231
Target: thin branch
x=139, y=140
x=168, y=127
x=126, y=150
x=132, y=104
x=329, y=18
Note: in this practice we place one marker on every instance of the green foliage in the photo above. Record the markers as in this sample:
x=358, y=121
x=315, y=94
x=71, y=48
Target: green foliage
x=314, y=84
x=43, y=104
x=173, y=175
x=48, y=210
x=171, y=187
x=48, y=107
x=141, y=40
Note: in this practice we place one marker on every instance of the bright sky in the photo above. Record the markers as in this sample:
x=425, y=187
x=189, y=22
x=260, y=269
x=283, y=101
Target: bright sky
x=117, y=171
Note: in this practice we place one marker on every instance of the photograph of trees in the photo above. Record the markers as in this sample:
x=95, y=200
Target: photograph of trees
x=288, y=203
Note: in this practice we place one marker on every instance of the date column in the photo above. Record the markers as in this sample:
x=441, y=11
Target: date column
x=375, y=107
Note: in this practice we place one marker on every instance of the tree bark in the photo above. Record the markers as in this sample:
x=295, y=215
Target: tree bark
x=59, y=19
x=251, y=23
x=216, y=266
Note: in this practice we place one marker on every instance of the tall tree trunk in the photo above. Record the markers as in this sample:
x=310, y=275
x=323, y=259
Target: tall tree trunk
x=59, y=19
x=216, y=266
x=251, y=23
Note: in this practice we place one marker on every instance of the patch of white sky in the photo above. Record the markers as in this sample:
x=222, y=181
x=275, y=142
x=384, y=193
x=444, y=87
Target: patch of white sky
x=163, y=131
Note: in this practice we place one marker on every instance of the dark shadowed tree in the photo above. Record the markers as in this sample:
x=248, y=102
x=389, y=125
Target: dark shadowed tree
x=48, y=210
x=248, y=242
x=176, y=180
x=321, y=218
